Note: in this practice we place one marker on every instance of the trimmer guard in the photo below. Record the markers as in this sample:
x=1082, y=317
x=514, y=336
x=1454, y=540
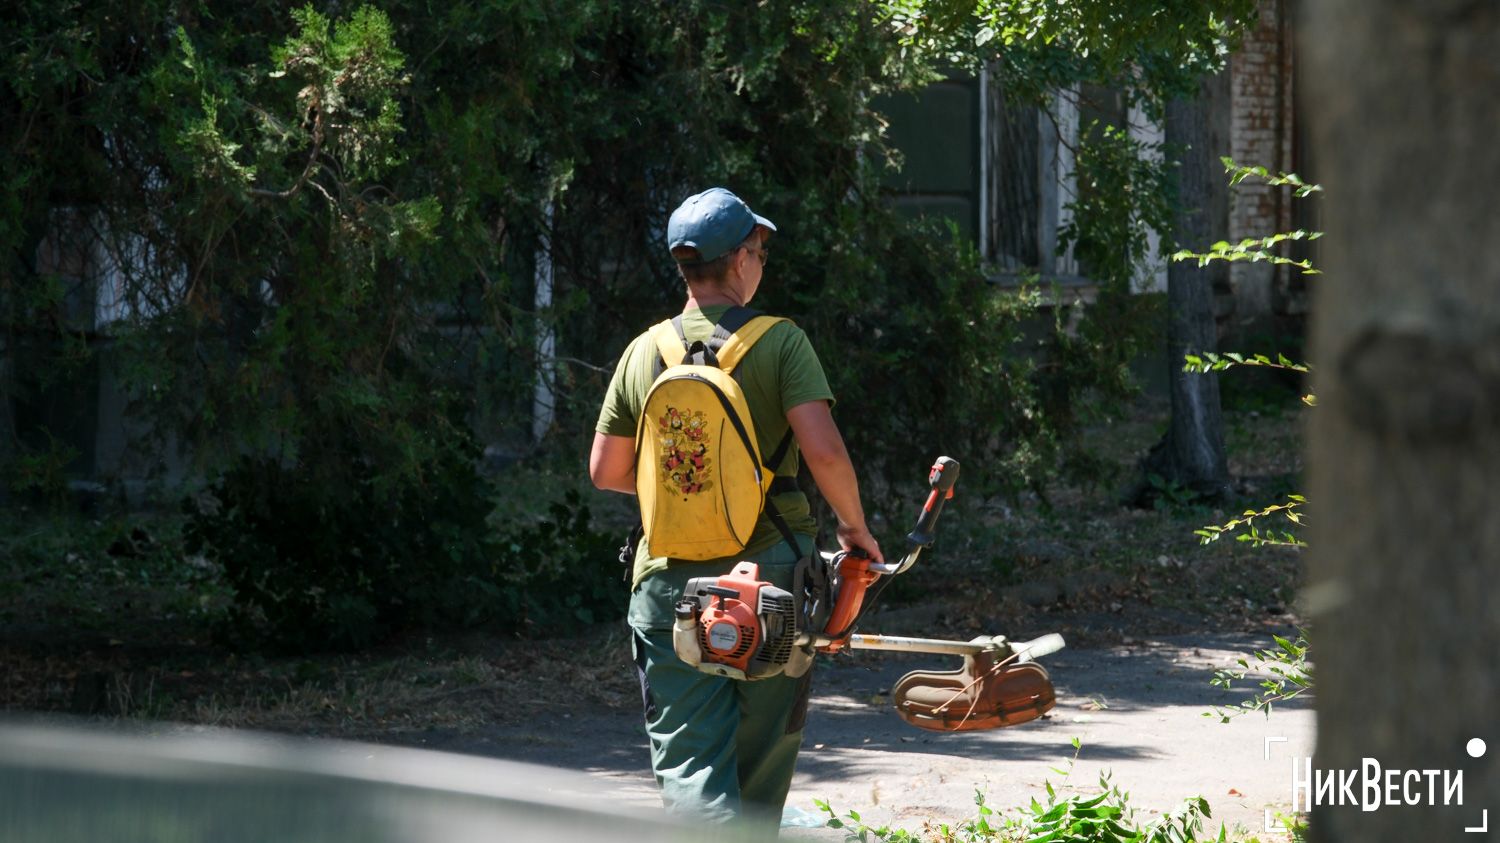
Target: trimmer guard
x=983, y=694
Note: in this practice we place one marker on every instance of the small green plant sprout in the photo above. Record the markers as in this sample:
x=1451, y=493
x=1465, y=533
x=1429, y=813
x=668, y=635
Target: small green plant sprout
x=42, y=471
x=1068, y=770
x=1285, y=674
x=856, y=831
x=1295, y=824
x=1254, y=533
x=1170, y=494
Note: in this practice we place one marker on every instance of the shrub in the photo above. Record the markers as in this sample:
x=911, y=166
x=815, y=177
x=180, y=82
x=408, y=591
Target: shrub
x=315, y=566
x=327, y=224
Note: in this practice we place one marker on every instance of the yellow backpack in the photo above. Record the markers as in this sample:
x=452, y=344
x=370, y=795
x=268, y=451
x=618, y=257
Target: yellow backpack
x=699, y=477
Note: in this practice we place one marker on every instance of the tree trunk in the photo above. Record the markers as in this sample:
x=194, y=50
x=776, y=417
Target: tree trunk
x=1404, y=450
x=1191, y=453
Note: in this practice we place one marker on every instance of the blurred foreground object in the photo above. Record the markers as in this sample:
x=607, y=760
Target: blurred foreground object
x=166, y=783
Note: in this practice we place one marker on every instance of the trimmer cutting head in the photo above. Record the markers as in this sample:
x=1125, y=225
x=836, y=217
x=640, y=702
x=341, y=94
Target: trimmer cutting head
x=990, y=691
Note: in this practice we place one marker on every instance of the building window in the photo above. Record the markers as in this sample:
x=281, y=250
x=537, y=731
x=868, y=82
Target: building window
x=1004, y=173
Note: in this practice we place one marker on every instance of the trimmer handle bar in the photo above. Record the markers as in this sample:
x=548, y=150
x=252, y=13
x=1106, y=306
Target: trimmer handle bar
x=832, y=557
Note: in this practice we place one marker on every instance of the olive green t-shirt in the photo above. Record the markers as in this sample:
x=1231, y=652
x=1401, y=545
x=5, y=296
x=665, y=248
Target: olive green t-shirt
x=779, y=372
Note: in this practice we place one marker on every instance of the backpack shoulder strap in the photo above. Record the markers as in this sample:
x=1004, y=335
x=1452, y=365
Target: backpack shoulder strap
x=743, y=337
x=733, y=319
x=668, y=344
x=734, y=335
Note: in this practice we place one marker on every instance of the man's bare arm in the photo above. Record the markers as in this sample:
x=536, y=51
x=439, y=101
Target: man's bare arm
x=612, y=463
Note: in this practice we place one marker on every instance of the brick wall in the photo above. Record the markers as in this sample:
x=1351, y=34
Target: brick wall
x=1261, y=133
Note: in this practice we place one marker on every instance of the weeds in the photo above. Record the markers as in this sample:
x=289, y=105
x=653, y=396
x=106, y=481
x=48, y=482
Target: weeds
x=1102, y=818
x=122, y=575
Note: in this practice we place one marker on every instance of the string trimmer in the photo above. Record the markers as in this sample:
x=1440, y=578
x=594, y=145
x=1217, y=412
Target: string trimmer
x=741, y=626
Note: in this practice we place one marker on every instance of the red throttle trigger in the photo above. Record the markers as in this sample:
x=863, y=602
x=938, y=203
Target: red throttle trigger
x=941, y=478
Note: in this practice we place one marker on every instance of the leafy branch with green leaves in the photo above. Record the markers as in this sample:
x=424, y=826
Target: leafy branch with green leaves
x=1284, y=674
x=1253, y=248
x=1212, y=362
x=1238, y=173
x=1259, y=248
x=1254, y=533
x=1285, y=670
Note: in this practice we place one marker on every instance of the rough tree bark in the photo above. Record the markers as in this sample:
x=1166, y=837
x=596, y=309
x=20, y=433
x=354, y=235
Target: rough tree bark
x=1404, y=448
x=1191, y=452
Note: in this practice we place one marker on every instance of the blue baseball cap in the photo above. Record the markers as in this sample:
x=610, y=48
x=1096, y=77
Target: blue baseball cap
x=713, y=222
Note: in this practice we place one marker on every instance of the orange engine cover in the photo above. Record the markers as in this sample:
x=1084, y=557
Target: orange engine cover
x=729, y=628
x=739, y=622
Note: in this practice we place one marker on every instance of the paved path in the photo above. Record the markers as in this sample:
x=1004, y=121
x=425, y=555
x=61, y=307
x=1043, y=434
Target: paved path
x=1137, y=710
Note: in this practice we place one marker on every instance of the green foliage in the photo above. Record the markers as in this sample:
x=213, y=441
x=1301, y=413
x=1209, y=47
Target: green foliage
x=1259, y=248
x=1256, y=249
x=326, y=223
x=1296, y=825
x=553, y=573
x=1169, y=495
x=1284, y=673
x=1290, y=673
x=1040, y=52
x=314, y=567
x=1253, y=249
x=1102, y=818
x=323, y=226
x=1106, y=818
x=964, y=382
x=1113, y=166
x=40, y=472
x=1238, y=173
x=1255, y=534
x=1153, y=51
x=1212, y=362
x=1123, y=192
x=116, y=575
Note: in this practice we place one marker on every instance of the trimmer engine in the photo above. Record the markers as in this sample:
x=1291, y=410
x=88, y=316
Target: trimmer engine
x=737, y=625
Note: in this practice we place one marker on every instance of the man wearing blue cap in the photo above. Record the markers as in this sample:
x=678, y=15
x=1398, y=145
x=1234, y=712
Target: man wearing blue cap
x=722, y=748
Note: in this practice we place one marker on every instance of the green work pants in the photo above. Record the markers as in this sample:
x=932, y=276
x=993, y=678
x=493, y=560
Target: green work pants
x=722, y=749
